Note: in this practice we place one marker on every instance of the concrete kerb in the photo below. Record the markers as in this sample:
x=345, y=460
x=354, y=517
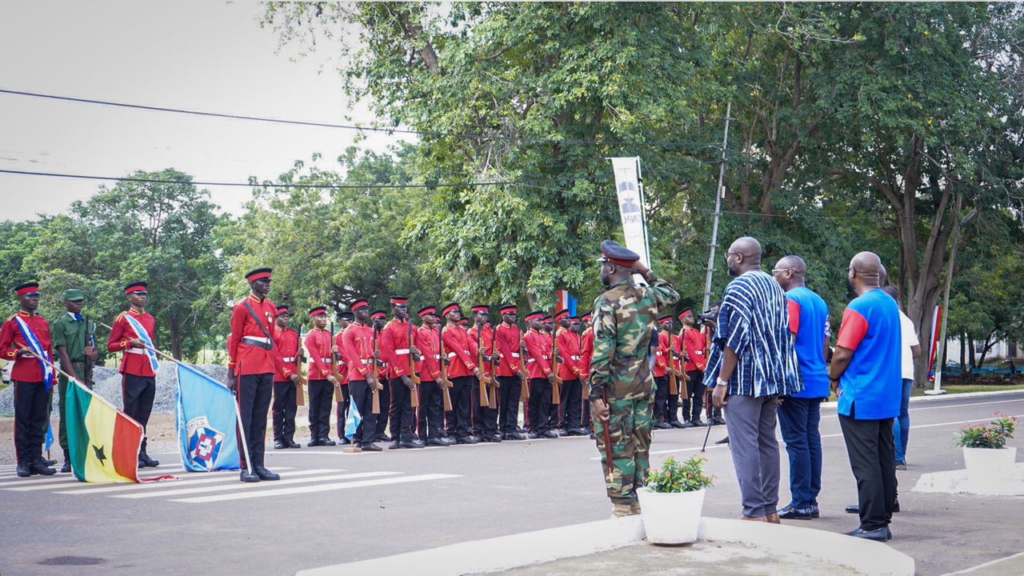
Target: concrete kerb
x=916, y=399
x=518, y=550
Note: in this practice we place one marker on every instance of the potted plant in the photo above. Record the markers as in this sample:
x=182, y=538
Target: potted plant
x=986, y=456
x=672, y=500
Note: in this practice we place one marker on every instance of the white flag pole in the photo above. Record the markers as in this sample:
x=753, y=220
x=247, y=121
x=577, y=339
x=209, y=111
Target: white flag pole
x=719, y=192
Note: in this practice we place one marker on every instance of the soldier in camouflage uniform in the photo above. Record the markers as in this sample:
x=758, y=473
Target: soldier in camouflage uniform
x=621, y=385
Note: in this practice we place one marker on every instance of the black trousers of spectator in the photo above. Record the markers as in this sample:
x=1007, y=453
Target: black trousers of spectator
x=30, y=415
x=138, y=393
x=362, y=398
x=540, y=405
x=696, y=390
x=342, y=410
x=873, y=460
x=569, y=409
x=321, y=395
x=253, y=396
x=401, y=414
x=284, y=411
x=431, y=411
x=385, y=410
x=508, y=403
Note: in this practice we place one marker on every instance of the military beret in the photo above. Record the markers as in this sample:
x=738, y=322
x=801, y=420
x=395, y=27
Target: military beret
x=73, y=294
x=665, y=319
x=450, y=308
x=347, y=316
x=685, y=313
x=535, y=315
x=586, y=317
x=560, y=315
x=258, y=274
x=378, y=315
x=27, y=288
x=136, y=287
x=318, y=311
x=283, y=311
x=357, y=304
x=482, y=308
x=427, y=311
x=618, y=255
x=400, y=300
x=507, y=309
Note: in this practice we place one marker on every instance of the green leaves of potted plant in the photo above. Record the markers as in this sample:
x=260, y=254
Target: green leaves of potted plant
x=672, y=500
x=986, y=456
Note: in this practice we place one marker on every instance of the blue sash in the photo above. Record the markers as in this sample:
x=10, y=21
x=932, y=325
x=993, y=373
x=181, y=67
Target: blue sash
x=140, y=331
x=42, y=356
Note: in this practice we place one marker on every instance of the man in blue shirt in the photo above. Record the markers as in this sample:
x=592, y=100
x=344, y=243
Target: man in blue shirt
x=865, y=372
x=800, y=414
x=752, y=362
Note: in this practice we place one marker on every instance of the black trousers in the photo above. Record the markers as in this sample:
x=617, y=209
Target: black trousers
x=569, y=410
x=695, y=390
x=385, y=409
x=253, y=396
x=284, y=411
x=362, y=398
x=401, y=414
x=138, y=393
x=666, y=406
x=460, y=423
x=485, y=420
x=321, y=396
x=431, y=411
x=342, y=410
x=869, y=444
x=508, y=403
x=540, y=405
x=30, y=413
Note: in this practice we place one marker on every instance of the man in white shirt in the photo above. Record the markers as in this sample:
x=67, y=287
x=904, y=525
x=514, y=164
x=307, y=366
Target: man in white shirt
x=911, y=349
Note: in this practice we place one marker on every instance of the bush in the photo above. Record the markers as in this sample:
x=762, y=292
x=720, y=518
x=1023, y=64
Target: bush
x=993, y=435
x=676, y=477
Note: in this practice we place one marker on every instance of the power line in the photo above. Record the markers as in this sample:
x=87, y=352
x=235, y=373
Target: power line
x=314, y=186
x=665, y=144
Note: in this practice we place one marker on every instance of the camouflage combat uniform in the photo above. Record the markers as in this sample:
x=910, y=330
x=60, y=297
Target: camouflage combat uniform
x=625, y=320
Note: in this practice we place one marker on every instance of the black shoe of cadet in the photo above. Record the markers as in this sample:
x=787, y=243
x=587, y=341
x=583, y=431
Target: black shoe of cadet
x=247, y=476
x=149, y=461
x=265, y=474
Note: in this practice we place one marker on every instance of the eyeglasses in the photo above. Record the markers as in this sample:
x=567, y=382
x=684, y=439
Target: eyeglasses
x=777, y=270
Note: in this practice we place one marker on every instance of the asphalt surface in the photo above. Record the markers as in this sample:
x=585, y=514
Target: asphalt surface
x=332, y=507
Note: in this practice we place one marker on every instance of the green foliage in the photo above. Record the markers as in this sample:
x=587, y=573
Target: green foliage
x=675, y=477
x=992, y=435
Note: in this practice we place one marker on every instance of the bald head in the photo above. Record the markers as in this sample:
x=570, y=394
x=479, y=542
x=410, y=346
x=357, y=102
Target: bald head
x=747, y=246
x=744, y=255
x=790, y=272
x=865, y=272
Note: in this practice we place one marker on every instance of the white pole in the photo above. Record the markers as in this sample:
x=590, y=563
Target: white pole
x=718, y=210
x=643, y=208
x=940, y=350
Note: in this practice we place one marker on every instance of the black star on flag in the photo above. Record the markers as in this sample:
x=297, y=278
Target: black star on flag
x=98, y=451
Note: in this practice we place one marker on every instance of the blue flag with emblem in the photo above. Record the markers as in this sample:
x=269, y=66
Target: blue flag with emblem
x=42, y=356
x=206, y=422
x=352, y=421
x=49, y=436
x=143, y=335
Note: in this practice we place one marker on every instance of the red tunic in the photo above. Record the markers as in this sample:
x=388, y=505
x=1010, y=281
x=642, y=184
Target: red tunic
x=25, y=369
x=569, y=351
x=485, y=344
x=134, y=361
x=508, y=349
x=428, y=341
x=358, y=351
x=661, y=355
x=246, y=359
x=318, y=344
x=693, y=340
x=538, y=346
x=286, y=346
x=461, y=352
x=339, y=343
x=586, y=352
x=394, y=347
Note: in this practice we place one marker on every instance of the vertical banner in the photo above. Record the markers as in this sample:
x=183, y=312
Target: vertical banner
x=936, y=322
x=631, y=205
x=565, y=301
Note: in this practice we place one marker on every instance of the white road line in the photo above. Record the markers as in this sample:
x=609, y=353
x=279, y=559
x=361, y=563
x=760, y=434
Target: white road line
x=966, y=405
x=190, y=479
x=317, y=488
x=8, y=483
x=254, y=485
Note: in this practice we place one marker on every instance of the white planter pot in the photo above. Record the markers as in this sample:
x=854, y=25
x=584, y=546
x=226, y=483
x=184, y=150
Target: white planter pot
x=987, y=465
x=671, y=518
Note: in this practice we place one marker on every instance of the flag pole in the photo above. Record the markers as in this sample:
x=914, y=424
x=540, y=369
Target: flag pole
x=719, y=192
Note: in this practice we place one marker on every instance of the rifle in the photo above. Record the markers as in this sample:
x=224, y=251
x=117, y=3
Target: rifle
x=376, y=375
x=445, y=382
x=87, y=375
x=492, y=400
x=524, y=391
x=480, y=362
x=556, y=388
x=412, y=370
x=338, y=396
x=300, y=357
x=673, y=385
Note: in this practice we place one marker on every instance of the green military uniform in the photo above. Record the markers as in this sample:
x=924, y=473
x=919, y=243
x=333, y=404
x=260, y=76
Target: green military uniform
x=74, y=335
x=625, y=321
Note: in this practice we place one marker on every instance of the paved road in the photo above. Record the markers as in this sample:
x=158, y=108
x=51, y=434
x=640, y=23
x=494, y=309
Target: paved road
x=333, y=507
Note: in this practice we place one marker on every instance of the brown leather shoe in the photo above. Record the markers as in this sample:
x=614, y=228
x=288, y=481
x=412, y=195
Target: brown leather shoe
x=752, y=519
x=773, y=518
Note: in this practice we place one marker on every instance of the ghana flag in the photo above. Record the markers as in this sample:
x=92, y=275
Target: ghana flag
x=104, y=442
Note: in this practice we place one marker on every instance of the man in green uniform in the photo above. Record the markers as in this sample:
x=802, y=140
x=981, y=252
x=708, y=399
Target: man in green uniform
x=74, y=341
x=621, y=385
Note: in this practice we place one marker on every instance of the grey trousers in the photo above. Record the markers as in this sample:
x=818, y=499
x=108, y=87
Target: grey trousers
x=755, y=452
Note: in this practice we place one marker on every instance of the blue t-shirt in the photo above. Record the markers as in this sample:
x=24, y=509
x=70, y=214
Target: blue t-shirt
x=808, y=319
x=872, y=386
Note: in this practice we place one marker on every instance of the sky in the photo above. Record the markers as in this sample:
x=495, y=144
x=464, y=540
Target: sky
x=209, y=56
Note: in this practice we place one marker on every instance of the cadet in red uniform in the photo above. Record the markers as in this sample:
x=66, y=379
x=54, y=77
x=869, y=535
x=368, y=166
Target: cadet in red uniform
x=485, y=420
x=251, y=368
x=321, y=380
x=32, y=379
x=431, y=413
x=399, y=352
x=538, y=365
x=665, y=405
x=586, y=356
x=691, y=346
x=379, y=319
x=461, y=370
x=569, y=371
x=286, y=345
x=344, y=321
x=138, y=363
x=358, y=352
x=510, y=373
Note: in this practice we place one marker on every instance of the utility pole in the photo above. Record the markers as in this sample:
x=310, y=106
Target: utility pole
x=718, y=210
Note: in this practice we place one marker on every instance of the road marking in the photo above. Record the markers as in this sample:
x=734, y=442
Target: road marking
x=42, y=483
x=317, y=488
x=190, y=479
x=966, y=404
x=254, y=486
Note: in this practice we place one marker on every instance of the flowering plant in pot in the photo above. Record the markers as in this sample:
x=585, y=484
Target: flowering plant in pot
x=672, y=500
x=986, y=456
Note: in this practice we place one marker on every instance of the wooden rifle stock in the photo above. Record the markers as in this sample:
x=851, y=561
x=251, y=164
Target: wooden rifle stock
x=673, y=384
x=492, y=399
x=338, y=396
x=556, y=387
x=524, y=391
x=415, y=392
x=480, y=364
x=445, y=382
x=300, y=357
x=376, y=375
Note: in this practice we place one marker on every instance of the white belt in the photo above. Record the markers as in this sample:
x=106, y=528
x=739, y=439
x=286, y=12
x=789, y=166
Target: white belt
x=288, y=359
x=452, y=354
x=531, y=360
x=574, y=357
x=135, y=351
x=515, y=355
x=437, y=356
x=257, y=338
x=402, y=351
x=657, y=353
x=366, y=362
